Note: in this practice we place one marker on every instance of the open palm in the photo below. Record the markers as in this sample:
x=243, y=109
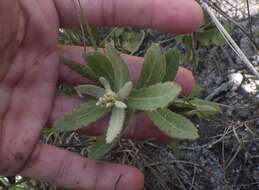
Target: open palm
x=30, y=71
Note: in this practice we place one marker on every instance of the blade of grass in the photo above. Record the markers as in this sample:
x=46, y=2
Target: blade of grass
x=85, y=24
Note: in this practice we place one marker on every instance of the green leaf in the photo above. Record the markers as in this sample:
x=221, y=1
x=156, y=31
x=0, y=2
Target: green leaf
x=100, y=64
x=90, y=90
x=217, y=38
x=197, y=107
x=120, y=104
x=120, y=69
x=125, y=91
x=179, y=39
x=153, y=97
x=131, y=40
x=188, y=42
x=172, y=64
x=154, y=67
x=106, y=84
x=100, y=148
x=84, y=115
x=203, y=109
x=175, y=145
x=196, y=91
x=83, y=70
x=174, y=125
x=115, y=124
x=204, y=37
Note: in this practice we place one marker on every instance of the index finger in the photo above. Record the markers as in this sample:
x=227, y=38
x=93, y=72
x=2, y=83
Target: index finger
x=176, y=16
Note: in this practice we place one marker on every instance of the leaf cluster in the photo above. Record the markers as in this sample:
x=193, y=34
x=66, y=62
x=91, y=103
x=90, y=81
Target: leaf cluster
x=115, y=95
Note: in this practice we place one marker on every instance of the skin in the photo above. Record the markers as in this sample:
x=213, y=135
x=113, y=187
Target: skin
x=30, y=71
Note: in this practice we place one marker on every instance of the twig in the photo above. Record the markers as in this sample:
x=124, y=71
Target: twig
x=81, y=24
x=223, y=87
x=215, y=6
x=193, y=178
x=175, y=162
x=230, y=40
x=249, y=19
x=234, y=157
x=84, y=23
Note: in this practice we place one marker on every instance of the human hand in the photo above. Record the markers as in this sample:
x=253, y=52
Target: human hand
x=30, y=71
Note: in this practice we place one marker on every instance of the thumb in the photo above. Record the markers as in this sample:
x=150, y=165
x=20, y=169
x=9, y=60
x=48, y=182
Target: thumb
x=69, y=170
x=11, y=31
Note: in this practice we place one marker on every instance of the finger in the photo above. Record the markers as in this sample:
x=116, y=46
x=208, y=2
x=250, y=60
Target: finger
x=69, y=170
x=167, y=15
x=11, y=32
x=140, y=127
x=184, y=77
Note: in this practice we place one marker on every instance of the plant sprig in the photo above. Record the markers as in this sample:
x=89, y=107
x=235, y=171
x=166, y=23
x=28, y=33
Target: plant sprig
x=116, y=95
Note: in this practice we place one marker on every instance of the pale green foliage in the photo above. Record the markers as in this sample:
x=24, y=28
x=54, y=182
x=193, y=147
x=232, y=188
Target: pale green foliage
x=203, y=109
x=84, y=115
x=153, y=93
x=106, y=84
x=115, y=124
x=174, y=125
x=125, y=91
x=120, y=69
x=172, y=60
x=154, y=67
x=101, y=65
x=197, y=107
x=91, y=90
x=83, y=70
x=154, y=97
x=128, y=39
x=120, y=104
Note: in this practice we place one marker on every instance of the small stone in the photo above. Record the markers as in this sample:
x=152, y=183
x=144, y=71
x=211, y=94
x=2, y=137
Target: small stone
x=236, y=79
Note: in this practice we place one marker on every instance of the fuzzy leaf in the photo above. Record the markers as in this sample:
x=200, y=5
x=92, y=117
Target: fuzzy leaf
x=125, y=91
x=131, y=40
x=154, y=67
x=84, y=115
x=174, y=125
x=115, y=124
x=100, y=148
x=83, y=70
x=106, y=84
x=196, y=107
x=120, y=104
x=100, y=64
x=153, y=97
x=120, y=69
x=172, y=64
x=90, y=90
x=203, y=109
